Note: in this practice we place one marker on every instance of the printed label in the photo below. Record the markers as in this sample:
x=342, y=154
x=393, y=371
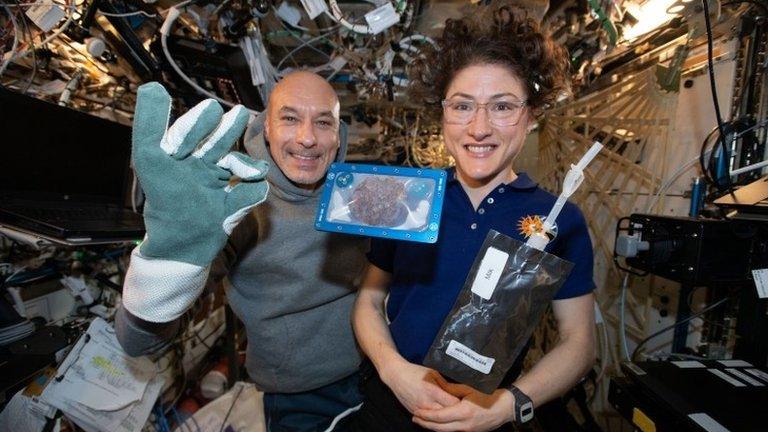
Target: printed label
x=758, y=373
x=728, y=378
x=761, y=282
x=289, y=13
x=469, y=357
x=314, y=7
x=382, y=18
x=708, y=423
x=746, y=378
x=688, y=364
x=734, y=363
x=45, y=14
x=489, y=272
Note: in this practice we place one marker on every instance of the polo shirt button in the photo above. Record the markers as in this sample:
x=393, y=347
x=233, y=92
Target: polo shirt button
x=501, y=190
x=481, y=211
x=490, y=200
x=473, y=226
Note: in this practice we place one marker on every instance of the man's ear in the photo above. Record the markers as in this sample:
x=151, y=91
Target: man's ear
x=266, y=129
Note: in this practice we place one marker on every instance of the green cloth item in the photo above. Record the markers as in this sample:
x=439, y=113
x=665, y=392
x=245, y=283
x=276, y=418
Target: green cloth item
x=185, y=170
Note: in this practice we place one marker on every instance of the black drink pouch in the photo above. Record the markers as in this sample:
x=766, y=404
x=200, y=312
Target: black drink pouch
x=503, y=299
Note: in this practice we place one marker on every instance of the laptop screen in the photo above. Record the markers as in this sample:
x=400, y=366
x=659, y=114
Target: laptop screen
x=53, y=153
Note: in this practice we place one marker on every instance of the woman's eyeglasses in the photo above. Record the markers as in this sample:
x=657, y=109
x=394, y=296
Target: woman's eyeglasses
x=500, y=113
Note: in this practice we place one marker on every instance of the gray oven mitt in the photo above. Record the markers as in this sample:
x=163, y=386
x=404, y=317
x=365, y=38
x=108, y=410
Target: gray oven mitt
x=191, y=205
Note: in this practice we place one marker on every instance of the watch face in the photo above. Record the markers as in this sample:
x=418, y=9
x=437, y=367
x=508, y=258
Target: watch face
x=526, y=412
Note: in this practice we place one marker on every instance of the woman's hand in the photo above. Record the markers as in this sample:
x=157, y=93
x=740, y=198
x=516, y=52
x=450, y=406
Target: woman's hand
x=417, y=387
x=475, y=412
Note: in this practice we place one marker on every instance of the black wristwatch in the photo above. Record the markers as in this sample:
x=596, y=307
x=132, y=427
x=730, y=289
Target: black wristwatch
x=523, y=405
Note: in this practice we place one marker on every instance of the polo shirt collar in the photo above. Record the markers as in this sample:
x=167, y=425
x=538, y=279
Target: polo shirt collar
x=522, y=181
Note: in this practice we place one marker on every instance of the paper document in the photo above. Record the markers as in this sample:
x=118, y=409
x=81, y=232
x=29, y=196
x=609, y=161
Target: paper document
x=100, y=387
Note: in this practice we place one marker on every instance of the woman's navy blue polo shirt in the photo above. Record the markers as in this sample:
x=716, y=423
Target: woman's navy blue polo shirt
x=427, y=278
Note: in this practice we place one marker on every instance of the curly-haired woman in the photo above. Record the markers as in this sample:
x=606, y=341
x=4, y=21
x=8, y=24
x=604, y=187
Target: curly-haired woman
x=492, y=75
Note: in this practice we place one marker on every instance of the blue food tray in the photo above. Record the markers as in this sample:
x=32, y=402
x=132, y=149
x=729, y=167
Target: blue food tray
x=342, y=175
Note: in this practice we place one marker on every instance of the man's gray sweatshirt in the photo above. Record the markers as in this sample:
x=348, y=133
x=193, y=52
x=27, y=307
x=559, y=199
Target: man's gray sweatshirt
x=292, y=286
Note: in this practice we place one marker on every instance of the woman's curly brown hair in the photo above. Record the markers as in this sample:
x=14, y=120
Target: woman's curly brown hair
x=499, y=35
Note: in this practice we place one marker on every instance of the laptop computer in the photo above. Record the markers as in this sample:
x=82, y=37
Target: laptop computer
x=64, y=174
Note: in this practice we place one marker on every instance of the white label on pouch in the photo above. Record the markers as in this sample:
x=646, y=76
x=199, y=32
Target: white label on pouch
x=470, y=358
x=489, y=272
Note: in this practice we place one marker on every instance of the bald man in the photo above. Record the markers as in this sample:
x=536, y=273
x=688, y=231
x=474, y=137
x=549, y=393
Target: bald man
x=292, y=286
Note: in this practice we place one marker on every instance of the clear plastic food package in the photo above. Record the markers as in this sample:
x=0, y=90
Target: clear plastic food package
x=382, y=201
x=503, y=299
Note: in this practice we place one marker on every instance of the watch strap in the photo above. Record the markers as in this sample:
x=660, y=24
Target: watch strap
x=523, y=405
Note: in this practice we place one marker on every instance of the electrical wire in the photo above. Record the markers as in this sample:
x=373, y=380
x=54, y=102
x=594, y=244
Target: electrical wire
x=173, y=15
x=284, y=25
x=410, y=9
x=127, y=14
x=31, y=78
x=384, y=64
x=7, y=280
x=182, y=426
x=72, y=8
x=622, y=318
x=606, y=357
x=689, y=302
x=705, y=165
x=259, y=51
x=417, y=37
x=681, y=322
x=713, y=86
x=671, y=180
x=283, y=22
x=183, y=385
x=337, y=16
x=295, y=50
x=16, y=38
x=162, y=420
